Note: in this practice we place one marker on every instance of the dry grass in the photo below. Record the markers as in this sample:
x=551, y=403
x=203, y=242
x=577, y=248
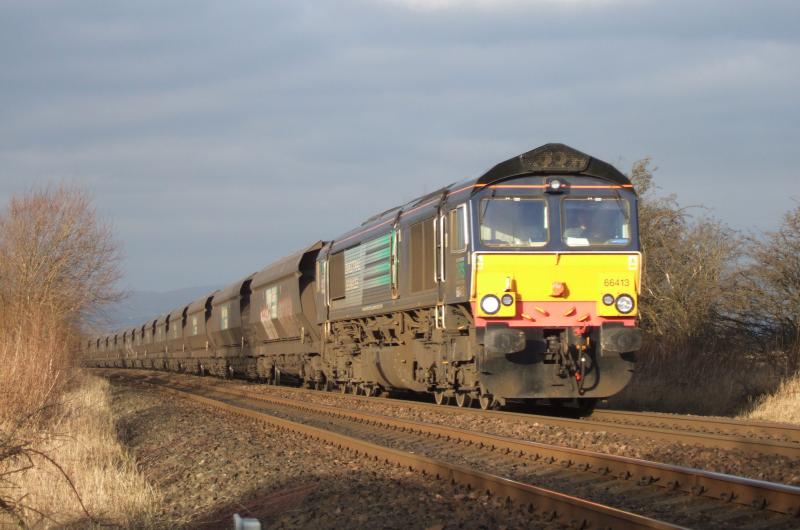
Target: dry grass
x=80, y=443
x=35, y=363
x=783, y=405
x=61, y=464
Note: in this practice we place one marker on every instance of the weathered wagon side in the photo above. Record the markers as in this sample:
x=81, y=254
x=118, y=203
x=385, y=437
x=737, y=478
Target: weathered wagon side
x=284, y=332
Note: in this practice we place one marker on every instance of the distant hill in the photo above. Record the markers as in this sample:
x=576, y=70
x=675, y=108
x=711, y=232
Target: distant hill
x=140, y=306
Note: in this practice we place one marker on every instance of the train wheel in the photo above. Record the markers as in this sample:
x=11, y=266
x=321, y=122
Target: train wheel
x=355, y=389
x=486, y=401
x=463, y=399
x=440, y=398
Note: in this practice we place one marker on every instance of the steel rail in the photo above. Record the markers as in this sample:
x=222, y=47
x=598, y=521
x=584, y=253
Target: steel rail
x=775, y=497
x=555, y=506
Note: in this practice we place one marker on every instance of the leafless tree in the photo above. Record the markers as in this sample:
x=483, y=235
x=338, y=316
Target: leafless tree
x=689, y=268
x=55, y=253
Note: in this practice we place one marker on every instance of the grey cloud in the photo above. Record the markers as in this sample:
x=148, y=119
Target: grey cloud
x=253, y=128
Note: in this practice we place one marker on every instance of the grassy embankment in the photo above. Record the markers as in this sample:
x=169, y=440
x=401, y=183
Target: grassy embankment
x=782, y=405
x=63, y=465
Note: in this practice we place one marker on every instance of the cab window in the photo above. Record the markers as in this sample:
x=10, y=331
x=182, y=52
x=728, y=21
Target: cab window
x=596, y=221
x=513, y=222
x=458, y=229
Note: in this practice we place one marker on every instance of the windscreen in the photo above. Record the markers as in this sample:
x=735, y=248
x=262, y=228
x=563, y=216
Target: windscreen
x=513, y=222
x=596, y=221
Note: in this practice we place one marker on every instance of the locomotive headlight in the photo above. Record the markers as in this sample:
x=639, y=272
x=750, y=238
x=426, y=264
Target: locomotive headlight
x=507, y=299
x=624, y=304
x=556, y=186
x=490, y=304
x=608, y=299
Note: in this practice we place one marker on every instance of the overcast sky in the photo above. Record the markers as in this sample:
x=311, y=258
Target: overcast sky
x=218, y=136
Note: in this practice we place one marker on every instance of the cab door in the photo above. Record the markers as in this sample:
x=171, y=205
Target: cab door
x=454, y=254
x=439, y=275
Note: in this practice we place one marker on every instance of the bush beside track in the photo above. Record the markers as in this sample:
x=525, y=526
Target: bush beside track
x=720, y=310
x=59, y=459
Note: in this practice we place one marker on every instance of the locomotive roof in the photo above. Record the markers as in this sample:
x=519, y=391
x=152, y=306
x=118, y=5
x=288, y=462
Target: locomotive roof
x=548, y=159
x=553, y=159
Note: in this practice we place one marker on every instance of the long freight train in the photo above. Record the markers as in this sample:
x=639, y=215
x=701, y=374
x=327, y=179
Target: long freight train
x=518, y=285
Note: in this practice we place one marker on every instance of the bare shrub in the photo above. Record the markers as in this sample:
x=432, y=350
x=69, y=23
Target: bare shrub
x=770, y=290
x=720, y=311
x=689, y=270
x=58, y=265
x=692, y=359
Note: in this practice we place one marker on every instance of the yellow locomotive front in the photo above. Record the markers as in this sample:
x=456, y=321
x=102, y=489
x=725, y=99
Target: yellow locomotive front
x=555, y=281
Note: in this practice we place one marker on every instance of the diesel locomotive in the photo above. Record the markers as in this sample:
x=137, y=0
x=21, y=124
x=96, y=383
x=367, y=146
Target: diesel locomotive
x=519, y=285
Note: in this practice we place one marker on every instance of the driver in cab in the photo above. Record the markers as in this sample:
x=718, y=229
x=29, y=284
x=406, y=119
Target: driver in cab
x=582, y=227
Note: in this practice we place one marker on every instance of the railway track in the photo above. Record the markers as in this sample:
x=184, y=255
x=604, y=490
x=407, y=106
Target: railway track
x=749, y=436
x=570, y=484
x=762, y=437
x=784, y=433
x=768, y=438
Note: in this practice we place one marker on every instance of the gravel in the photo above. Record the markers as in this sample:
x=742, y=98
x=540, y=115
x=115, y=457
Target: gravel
x=209, y=465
